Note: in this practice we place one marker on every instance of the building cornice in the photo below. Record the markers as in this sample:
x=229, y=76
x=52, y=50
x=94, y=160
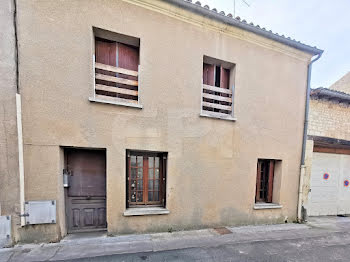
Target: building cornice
x=227, y=26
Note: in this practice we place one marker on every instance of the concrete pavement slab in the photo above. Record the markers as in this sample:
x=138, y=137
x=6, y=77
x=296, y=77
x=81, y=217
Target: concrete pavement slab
x=37, y=254
x=5, y=254
x=90, y=250
x=271, y=240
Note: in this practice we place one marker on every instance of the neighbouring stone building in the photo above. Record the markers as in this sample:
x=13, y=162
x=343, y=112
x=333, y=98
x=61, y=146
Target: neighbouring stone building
x=144, y=116
x=326, y=186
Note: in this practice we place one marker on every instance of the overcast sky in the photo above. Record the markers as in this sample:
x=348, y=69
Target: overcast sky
x=321, y=23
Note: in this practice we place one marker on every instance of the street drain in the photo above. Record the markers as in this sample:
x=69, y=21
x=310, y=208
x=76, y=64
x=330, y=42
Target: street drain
x=222, y=230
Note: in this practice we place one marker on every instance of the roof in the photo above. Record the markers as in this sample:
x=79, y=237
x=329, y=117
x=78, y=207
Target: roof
x=330, y=94
x=343, y=84
x=243, y=24
x=330, y=142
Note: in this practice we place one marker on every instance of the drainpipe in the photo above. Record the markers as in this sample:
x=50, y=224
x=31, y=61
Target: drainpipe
x=19, y=122
x=20, y=156
x=306, y=123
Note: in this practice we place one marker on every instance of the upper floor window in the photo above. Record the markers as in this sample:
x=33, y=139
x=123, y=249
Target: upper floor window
x=218, y=87
x=116, y=68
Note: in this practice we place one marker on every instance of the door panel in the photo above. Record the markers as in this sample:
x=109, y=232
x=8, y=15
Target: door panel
x=86, y=195
x=329, y=196
x=344, y=191
x=87, y=213
x=88, y=169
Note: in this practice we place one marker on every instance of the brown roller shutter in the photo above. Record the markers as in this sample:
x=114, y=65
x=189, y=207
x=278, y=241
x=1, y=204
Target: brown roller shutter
x=208, y=74
x=105, y=52
x=128, y=57
x=225, y=78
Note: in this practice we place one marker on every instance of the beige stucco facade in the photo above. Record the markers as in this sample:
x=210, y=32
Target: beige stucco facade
x=211, y=176
x=9, y=179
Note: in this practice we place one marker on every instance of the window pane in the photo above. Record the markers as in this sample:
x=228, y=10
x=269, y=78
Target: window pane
x=139, y=161
x=133, y=173
x=139, y=185
x=150, y=196
x=157, y=162
x=150, y=173
x=139, y=173
x=157, y=174
x=150, y=184
x=156, y=196
x=133, y=196
x=133, y=185
x=150, y=162
x=133, y=160
x=156, y=185
x=139, y=196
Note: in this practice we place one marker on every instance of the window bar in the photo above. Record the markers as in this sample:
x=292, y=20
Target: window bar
x=232, y=99
x=128, y=180
x=138, y=86
x=258, y=183
x=94, y=74
x=270, y=181
x=162, y=177
x=202, y=86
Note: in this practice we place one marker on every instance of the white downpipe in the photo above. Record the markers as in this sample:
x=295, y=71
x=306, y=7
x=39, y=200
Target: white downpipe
x=20, y=156
x=300, y=193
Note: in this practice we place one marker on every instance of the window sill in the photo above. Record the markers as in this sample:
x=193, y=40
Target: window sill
x=96, y=100
x=259, y=206
x=145, y=211
x=218, y=116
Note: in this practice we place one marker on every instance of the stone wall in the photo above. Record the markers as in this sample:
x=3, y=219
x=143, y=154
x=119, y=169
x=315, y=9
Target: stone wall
x=329, y=119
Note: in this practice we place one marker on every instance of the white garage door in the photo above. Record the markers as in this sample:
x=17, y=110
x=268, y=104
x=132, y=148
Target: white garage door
x=330, y=185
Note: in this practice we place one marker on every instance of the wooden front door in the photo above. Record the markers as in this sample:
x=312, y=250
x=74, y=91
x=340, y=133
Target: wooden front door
x=86, y=194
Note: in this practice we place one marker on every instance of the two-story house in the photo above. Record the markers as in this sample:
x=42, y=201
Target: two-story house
x=144, y=116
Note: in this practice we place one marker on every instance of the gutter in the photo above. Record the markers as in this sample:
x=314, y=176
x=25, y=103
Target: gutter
x=236, y=22
x=306, y=123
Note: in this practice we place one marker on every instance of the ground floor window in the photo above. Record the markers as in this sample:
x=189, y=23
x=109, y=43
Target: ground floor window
x=264, y=180
x=146, y=173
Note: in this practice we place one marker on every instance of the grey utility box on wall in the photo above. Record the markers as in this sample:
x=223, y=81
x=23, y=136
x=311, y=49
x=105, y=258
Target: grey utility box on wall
x=5, y=231
x=40, y=212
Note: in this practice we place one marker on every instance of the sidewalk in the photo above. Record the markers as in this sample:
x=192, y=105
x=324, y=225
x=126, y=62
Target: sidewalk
x=96, y=245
